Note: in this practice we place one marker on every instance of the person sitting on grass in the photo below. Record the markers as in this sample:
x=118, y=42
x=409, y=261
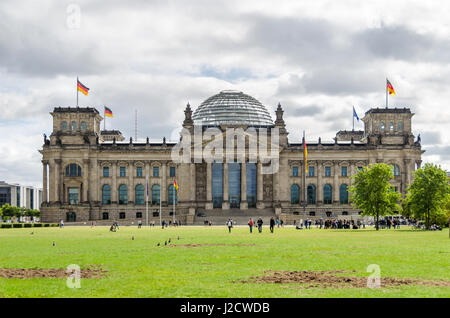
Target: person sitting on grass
x=112, y=228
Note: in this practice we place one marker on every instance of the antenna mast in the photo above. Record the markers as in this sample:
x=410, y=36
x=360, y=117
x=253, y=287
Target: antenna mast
x=135, y=125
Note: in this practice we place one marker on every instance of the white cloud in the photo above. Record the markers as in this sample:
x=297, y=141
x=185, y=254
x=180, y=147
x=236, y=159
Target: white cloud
x=318, y=58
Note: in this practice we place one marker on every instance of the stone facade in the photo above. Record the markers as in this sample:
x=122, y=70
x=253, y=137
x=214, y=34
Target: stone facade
x=75, y=159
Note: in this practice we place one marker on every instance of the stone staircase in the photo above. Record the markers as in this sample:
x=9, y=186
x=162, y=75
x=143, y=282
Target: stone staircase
x=240, y=217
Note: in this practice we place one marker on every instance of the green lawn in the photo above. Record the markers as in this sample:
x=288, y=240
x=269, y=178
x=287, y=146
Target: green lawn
x=138, y=268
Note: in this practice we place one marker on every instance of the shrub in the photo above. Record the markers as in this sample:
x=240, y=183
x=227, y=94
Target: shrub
x=54, y=224
x=46, y=225
x=37, y=225
x=17, y=225
x=27, y=225
x=6, y=226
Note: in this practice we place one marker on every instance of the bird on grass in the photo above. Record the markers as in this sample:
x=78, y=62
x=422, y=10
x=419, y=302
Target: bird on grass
x=158, y=244
x=165, y=243
x=178, y=238
x=32, y=233
x=169, y=240
x=132, y=238
x=54, y=244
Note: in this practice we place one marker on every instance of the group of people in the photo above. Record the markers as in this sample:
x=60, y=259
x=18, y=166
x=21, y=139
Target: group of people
x=259, y=223
x=114, y=227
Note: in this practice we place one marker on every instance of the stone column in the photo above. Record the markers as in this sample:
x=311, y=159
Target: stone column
x=164, y=183
x=115, y=192
x=58, y=185
x=319, y=199
x=226, y=201
x=259, y=186
x=85, y=180
x=336, y=183
x=44, y=182
x=244, y=204
x=192, y=185
x=131, y=190
x=407, y=171
x=209, y=204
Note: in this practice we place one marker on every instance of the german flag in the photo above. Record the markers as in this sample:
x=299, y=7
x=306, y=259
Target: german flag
x=82, y=88
x=108, y=112
x=390, y=88
x=306, y=155
x=175, y=184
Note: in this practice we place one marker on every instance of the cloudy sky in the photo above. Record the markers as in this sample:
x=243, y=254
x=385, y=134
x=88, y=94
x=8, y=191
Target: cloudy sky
x=317, y=58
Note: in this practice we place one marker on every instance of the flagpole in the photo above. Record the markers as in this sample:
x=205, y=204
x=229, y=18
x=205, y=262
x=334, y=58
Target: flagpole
x=146, y=203
x=386, y=94
x=160, y=210
x=77, y=91
x=104, y=116
x=353, y=116
x=304, y=177
x=174, y=204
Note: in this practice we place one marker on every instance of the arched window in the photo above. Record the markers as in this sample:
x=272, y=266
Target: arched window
x=140, y=194
x=73, y=170
x=64, y=125
x=83, y=125
x=155, y=194
x=327, y=194
x=295, y=194
x=311, y=194
x=395, y=170
x=74, y=125
x=172, y=193
x=343, y=194
x=123, y=194
x=391, y=126
x=381, y=126
x=106, y=194
x=344, y=213
x=328, y=213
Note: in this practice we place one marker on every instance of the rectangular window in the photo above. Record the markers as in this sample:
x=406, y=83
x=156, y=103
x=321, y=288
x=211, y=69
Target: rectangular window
x=172, y=171
x=123, y=172
x=311, y=171
x=73, y=195
x=156, y=171
x=295, y=171
x=344, y=171
x=139, y=172
x=327, y=171
x=106, y=171
x=138, y=215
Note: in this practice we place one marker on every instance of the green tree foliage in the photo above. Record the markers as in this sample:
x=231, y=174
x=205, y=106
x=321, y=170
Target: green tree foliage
x=428, y=194
x=9, y=211
x=372, y=193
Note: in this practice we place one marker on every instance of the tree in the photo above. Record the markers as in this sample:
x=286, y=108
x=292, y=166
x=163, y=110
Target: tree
x=372, y=193
x=428, y=193
x=9, y=211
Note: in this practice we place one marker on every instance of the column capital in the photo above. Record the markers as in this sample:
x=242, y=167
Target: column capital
x=45, y=162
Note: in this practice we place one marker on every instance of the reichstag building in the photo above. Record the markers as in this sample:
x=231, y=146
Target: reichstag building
x=91, y=174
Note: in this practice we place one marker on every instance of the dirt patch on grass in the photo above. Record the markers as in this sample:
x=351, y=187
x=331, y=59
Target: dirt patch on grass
x=201, y=245
x=93, y=271
x=324, y=279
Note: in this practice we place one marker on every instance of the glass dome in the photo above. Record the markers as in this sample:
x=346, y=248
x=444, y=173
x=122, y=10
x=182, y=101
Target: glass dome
x=232, y=108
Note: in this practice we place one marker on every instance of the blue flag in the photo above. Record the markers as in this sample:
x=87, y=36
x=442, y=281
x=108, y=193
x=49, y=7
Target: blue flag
x=355, y=114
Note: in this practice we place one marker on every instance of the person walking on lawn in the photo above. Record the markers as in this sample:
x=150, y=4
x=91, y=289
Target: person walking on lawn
x=272, y=224
x=260, y=223
x=250, y=225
